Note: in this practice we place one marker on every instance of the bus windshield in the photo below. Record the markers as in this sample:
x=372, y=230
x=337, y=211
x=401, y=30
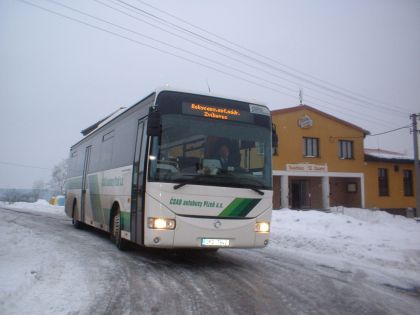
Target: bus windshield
x=202, y=151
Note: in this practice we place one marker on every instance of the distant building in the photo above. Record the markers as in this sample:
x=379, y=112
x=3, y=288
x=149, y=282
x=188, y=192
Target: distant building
x=390, y=179
x=321, y=162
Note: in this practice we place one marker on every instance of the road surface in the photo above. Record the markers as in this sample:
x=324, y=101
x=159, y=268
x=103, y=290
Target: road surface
x=49, y=267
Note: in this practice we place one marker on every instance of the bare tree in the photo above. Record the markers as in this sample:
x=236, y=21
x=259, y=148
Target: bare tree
x=58, y=177
x=37, y=188
x=10, y=195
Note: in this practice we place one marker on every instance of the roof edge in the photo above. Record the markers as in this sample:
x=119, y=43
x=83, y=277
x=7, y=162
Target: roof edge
x=303, y=106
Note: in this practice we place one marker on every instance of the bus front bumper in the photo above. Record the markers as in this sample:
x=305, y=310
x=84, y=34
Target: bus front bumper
x=194, y=232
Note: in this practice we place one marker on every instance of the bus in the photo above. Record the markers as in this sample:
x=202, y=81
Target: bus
x=176, y=170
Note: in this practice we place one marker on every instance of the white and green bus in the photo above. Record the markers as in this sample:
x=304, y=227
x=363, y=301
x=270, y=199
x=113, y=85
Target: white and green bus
x=176, y=170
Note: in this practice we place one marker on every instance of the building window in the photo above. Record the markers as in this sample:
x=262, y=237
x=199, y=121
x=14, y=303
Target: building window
x=408, y=183
x=346, y=149
x=311, y=147
x=383, y=182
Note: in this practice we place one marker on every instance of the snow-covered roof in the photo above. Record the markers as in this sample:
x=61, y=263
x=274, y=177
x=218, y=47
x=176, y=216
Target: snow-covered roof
x=379, y=154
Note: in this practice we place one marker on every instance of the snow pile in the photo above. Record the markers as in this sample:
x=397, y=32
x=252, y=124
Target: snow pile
x=385, y=246
x=38, y=206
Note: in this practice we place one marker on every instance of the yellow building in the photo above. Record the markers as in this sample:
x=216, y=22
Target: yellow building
x=390, y=179
x=320, y=162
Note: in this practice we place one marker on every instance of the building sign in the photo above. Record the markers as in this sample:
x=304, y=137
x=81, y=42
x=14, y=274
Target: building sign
x=305, y=167
x=305, y=122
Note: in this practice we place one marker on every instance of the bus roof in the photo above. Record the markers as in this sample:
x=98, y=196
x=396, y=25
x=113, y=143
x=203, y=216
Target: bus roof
x=107, y=119
x=233, y=98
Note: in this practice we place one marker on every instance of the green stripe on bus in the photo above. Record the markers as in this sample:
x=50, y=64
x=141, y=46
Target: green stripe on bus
x=125, y=221
x=74, y=183
x=239, y=207
x=231, y=207
x=107, y=213
x=251, y=205
x=95, y=198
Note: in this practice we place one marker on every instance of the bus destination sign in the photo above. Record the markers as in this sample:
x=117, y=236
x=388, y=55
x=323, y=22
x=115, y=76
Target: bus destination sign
x=214, y=112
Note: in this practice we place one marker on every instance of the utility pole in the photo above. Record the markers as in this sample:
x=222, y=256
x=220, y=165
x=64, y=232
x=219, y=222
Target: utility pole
x=415, y=131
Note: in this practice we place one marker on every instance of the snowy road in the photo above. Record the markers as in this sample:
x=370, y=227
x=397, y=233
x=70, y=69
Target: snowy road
x=48, y=267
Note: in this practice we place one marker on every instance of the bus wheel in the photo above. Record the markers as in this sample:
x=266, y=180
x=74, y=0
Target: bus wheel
x=116, y=231
x=75, y=217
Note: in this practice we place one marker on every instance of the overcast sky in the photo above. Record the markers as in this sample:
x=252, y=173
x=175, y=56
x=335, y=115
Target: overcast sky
x=357, y=60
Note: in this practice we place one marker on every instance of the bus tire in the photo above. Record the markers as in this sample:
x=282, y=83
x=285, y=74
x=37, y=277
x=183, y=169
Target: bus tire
x=116, y=231
x=75, y=217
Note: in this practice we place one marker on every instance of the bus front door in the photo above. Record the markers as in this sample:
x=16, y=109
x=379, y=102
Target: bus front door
x=137, y=189
x=84, y=183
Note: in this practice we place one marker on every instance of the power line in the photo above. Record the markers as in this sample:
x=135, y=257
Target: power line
x=25, y=165
x=151, y=46
x=169, y=45
x=374, y=135
x=217, y=52
x=389, y=131
x=270, y=66
x=218, y=63
x=165, y=51
x=255, y=53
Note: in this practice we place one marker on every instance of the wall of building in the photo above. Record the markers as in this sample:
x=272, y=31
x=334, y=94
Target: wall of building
x=345, y=191
x=329, y=131
x=396, y=198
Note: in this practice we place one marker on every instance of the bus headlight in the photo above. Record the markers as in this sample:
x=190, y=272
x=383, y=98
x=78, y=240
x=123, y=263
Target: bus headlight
x=161, y=223
x=262, y=227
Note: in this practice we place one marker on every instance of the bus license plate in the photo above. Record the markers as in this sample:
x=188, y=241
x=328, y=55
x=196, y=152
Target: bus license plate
x=214, y=242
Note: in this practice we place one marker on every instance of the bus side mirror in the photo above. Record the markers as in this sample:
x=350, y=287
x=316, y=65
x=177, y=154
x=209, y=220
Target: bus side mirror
x=154, y=127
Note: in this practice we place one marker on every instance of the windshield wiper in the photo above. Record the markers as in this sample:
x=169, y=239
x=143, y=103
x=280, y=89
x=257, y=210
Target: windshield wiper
x=193, y=179
x=257, y=190
x=260, y=192
x=177, y=186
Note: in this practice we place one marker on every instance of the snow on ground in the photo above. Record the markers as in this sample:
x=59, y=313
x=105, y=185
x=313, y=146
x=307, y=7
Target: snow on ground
x=38, y=206
x=34, y=277
x=384, y=247
x=374, y=244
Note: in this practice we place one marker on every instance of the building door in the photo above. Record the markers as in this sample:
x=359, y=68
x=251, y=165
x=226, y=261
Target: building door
x=300, y=195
